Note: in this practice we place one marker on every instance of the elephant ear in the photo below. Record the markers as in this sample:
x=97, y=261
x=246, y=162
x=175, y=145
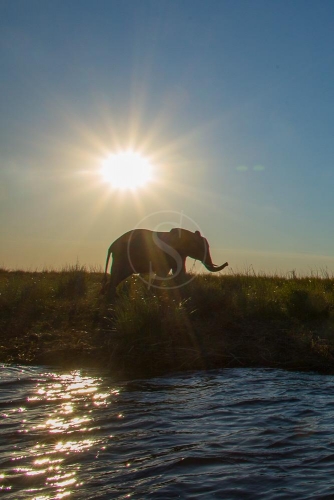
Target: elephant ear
x=175, y=233
x=179, y=238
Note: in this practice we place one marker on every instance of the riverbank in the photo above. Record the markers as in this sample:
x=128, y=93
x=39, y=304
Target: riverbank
x=60, y=318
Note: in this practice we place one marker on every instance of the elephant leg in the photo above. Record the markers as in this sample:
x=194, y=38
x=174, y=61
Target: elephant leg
x=118, y=273
x=160, y=279
x=103, y=286
x=179, y=272
x=164, y=279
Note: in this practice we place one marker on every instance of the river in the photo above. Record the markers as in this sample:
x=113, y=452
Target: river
x=230, y=434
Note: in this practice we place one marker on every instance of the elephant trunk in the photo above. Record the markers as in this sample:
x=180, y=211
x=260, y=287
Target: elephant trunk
x=212, y=267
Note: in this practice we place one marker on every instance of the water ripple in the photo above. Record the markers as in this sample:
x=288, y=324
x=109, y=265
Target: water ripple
x=237, y=433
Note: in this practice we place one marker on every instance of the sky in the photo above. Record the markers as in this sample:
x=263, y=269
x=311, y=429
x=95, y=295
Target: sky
x=232, y=101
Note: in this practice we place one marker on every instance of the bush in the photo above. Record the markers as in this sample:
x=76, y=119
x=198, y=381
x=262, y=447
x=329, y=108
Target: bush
x=213, y=321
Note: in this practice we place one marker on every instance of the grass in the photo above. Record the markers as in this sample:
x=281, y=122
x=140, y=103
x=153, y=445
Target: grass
x=60, y=318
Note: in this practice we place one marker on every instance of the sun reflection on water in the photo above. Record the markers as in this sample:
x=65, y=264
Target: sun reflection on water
x=68, y=403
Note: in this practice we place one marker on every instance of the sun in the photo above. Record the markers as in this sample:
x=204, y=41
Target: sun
x=126, y=170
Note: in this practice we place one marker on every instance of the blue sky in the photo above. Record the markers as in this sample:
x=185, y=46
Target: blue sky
x=233, y=100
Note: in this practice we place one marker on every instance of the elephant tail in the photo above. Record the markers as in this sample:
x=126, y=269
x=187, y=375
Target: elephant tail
x=110, y=249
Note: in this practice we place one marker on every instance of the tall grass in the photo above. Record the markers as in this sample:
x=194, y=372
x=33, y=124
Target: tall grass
x=231, y=320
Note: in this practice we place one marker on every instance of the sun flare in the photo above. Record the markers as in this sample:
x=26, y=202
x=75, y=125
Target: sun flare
x=126, y=170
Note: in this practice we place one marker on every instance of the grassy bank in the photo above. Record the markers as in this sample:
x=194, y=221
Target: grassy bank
x=232, y=320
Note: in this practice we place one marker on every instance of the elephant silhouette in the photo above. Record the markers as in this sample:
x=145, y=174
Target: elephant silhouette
x=142, y=251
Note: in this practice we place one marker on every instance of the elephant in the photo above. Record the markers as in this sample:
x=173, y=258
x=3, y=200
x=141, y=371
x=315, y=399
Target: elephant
x=141, y=251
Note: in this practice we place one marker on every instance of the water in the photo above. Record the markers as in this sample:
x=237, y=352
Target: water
x=235, y=433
